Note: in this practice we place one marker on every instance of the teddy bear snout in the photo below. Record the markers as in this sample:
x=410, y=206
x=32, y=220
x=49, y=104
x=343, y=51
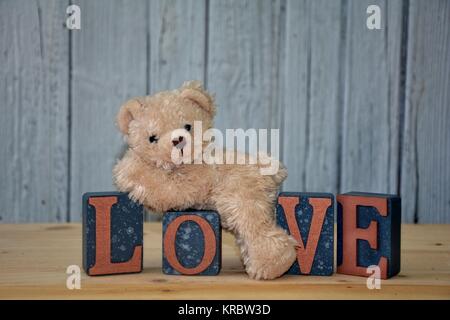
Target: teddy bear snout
x=179, y=142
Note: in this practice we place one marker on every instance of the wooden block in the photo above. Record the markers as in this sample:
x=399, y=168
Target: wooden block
x=192, y=243
x=309, y=218
x=368, y=233
x=112, y=233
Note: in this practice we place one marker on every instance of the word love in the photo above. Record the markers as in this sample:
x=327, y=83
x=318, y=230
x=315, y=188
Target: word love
x=368, y=234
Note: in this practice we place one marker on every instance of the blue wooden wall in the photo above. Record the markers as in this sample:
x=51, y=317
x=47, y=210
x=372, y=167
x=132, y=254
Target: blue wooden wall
x=357, y=109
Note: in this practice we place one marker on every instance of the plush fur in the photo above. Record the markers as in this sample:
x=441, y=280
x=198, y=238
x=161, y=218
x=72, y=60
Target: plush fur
x=243, y=197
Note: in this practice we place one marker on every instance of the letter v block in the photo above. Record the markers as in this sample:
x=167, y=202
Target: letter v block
x=368, y=233
x=309, y=218
x=112, y=234
x=192, y=243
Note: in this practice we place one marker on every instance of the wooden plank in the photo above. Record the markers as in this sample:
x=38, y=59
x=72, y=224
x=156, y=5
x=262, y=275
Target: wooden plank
x=425, y=175
x=109, y=66
x=33, y=125
x=370, y=121
x=177, y=47
x=244, y=40
x=311, y=86
x=177, y=42
x=40, y=274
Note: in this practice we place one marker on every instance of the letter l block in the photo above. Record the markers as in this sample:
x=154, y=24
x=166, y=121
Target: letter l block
x=112, y=233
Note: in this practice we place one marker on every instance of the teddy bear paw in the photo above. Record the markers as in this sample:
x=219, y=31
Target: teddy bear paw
x=271, y=256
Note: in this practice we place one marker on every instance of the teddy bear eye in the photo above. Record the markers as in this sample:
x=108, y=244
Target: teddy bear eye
x=188, y=127
x=153, y=139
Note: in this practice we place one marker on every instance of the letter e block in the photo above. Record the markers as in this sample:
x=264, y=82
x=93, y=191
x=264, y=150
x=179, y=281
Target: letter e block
x=368, y=233
x=192, y=243
x=112, y=234
x=309, y=218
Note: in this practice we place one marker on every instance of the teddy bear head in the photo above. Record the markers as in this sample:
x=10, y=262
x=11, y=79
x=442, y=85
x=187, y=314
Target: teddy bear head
x=159, y=126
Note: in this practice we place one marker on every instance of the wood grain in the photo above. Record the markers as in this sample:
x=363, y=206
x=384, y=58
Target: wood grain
x=177, y=36
x=243, y=62
x=311, y=87
x=34, y=259
x=426, y=148
x=357, y=109
x=370, y=125
x=34, y=108
x=109, y=66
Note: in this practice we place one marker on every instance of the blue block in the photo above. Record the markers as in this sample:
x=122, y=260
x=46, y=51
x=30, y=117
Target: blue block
x=323, y=257
x=387, y=233
x=192, y=243
x=124, y=221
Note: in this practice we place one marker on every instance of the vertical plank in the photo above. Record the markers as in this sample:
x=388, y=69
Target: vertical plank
x=311, y=92
x=243, y=62
x=109, y=63
x=177, y=46
x=425, y=182
x=177, y=42
x=34, y=106
x=370, y=134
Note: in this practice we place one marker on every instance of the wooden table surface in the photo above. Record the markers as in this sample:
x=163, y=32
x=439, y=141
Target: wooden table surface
x=34, y=258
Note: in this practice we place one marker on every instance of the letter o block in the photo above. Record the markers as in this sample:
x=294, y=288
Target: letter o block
x=192, y=243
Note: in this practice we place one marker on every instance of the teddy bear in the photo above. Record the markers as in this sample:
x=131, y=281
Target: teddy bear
x=154, y=128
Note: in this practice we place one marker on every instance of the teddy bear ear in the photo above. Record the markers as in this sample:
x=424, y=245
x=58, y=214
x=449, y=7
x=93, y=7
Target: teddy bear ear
x=193, y=90
x=127, y=113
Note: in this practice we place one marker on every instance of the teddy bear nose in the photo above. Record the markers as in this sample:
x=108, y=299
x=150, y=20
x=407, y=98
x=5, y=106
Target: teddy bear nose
x=177, y=141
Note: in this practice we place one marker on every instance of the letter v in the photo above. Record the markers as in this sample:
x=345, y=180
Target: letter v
x=305, y=253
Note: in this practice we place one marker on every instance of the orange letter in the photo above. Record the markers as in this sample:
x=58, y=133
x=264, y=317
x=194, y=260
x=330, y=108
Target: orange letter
x=209, y=240
x=305, y=254
x=351, y=233
x=103, y=263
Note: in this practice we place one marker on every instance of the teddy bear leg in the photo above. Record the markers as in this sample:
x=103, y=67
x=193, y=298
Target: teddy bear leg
x=267, y=251
x=270, y=255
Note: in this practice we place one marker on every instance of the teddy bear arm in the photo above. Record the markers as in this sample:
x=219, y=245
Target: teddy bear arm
x=129, y=178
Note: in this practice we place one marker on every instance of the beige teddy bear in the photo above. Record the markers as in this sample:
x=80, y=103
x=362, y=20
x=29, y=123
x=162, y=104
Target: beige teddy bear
x=157, y=126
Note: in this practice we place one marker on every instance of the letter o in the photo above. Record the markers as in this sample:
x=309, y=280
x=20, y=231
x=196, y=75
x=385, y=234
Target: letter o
x=209, y=244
